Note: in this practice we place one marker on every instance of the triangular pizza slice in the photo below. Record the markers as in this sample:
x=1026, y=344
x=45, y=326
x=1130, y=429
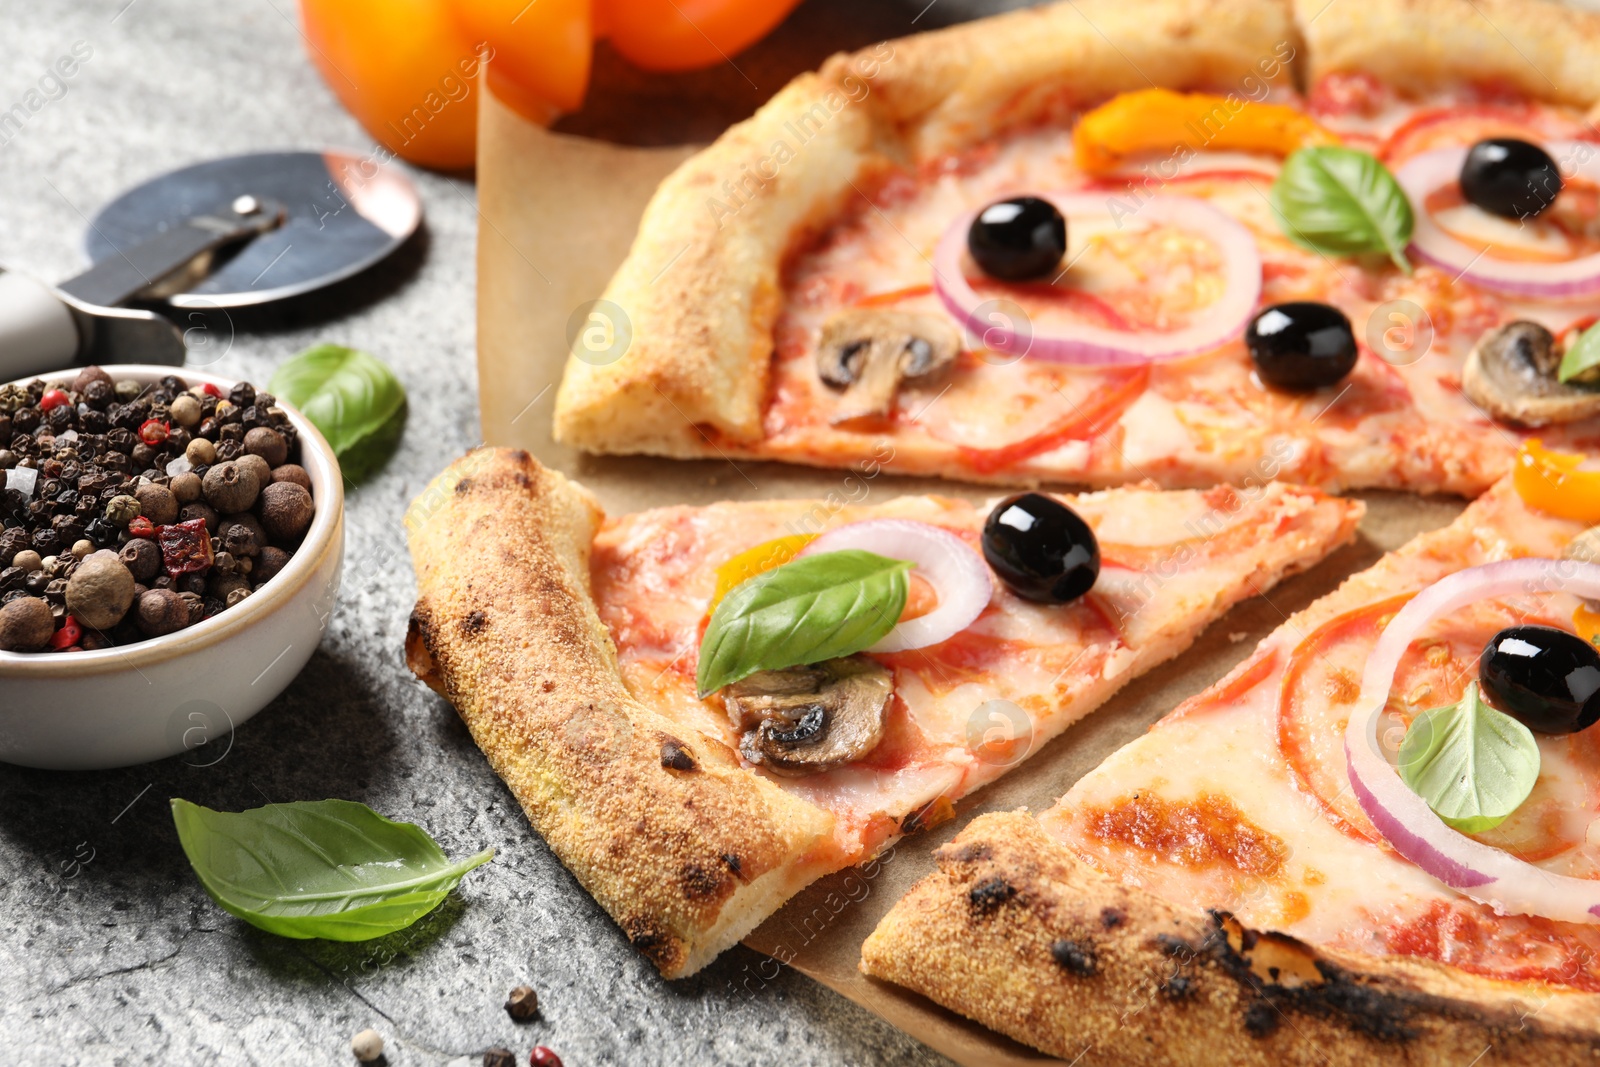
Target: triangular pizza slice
x=1216, y=892
x=572, y=647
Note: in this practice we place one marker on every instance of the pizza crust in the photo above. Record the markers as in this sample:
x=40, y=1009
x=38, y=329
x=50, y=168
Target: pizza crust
x=1544, y=49
x=1017, y=932
x=686, y=860
x=700, y=289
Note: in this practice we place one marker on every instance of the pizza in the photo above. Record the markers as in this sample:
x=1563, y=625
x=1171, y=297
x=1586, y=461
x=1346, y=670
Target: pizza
x=1096, y=243
x=1223, y=890
x=702, y=709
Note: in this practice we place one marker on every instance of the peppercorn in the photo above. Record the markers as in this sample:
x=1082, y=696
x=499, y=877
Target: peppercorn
x=499, y=1057
x=286, y=511
x=292, y=472
x=242, y=535
x=230, y=488
x=143, y=456
x=53, y=399
x=8, y=459
x=26, y=625
x=201, y=453
x=127, y=389
x=268, y=444
x=45, y=541
x=82, y=548
x=523, y=1003
x=28, y=560
x=160, y=612
x=367, y=1045
x=199, y=510
x=122, y=509
x=267, y=564
x=100, y=590
x=100, y=531
x=186, y=487
x=157, y=503
x=141, y=527
x=192, y=582
x=13, y=577
x=12, y=541
x=257, y=466
x=543, y=1057
x=185, y=411
x=142, y=558
x=98, y=395
x=219, y=586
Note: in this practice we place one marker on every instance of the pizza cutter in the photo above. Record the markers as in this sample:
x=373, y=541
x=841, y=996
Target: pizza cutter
x=222, y=234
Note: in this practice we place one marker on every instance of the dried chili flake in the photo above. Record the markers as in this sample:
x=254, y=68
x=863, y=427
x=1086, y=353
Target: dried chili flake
x=185, y=547
x=68, y=635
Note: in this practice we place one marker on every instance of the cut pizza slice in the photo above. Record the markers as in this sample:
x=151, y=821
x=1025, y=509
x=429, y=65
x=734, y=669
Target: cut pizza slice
x=1225, y=889
x=1099, y=242
x=702, y=709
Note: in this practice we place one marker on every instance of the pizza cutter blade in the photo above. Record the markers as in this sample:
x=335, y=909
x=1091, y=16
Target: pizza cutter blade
x=345, y=213
x=226, y=233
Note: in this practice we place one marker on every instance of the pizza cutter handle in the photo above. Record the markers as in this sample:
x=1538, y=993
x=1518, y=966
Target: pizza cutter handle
x=43, y=329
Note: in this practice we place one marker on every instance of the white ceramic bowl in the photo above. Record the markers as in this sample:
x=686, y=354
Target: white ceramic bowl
x=186, y=691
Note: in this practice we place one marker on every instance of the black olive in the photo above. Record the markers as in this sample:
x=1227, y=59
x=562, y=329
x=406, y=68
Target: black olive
x=1510, y=178
x=1017, y=239
x=1041, y=548
x=1301, y=346
x=1546, y=678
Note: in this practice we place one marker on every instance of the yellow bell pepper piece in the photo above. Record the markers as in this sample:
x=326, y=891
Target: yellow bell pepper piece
x=758, y=560
x=1160, y=119
x=1556, y=482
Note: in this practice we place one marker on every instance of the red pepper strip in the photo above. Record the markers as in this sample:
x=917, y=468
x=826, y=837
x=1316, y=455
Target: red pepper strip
x=1085, y=423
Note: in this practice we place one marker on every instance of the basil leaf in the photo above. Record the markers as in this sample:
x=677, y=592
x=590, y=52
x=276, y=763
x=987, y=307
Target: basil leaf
x=1472, y=764
x=326, y=868
x=1342, y=202
x=356, y=401
x=1582, y=361
x=812, y=609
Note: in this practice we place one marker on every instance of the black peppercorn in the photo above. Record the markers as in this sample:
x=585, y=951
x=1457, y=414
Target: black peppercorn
x=242, y=395
x=523, y=1003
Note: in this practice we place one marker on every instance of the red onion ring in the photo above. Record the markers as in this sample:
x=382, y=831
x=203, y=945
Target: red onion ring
x=1424, y=174
x=1487, y=875
x=956, y=572
x=1096, y=345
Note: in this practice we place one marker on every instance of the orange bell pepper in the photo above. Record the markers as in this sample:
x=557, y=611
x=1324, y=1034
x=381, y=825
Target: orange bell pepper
x=542, y=51
x=670, y=35
x=758, y=560
x=1557, y=483
x=1160, y=119
x=405, y=70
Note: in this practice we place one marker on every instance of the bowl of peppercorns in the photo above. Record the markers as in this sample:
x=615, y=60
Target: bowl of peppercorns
x=170, y=551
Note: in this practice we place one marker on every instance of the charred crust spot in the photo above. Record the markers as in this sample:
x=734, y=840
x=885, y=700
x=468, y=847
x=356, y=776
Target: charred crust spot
x=1172, y=945
x=1076, y=957
x=521, y=455
x=547, y=686
x=1338, y=997
x=474, y=623
x=657, y=946
x=1111, y=918
x=734, y=865
x=1261, y=1019
x=972, y=853
x=463, y=487
x=990, y=894
x=699, y=883
x=522, y=479
x=675, y=756
x=1177, y=988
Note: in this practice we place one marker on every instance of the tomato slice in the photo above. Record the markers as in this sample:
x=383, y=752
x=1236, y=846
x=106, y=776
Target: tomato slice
x=1023, y=409
x=1438, y=127
x=1322, y=682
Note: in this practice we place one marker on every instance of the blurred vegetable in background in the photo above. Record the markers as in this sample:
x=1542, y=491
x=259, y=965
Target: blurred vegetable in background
x=408, y=69
x=688, y=34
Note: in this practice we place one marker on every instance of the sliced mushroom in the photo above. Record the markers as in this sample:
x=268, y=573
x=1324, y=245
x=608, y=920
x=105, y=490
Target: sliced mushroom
x=807, y=719
x=868, y=352
x=1511, y=374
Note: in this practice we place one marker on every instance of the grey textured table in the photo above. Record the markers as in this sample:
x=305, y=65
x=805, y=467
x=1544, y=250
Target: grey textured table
x=111, y=953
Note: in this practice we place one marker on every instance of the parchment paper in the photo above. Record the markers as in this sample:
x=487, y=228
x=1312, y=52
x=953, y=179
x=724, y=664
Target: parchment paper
x=558, y=213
